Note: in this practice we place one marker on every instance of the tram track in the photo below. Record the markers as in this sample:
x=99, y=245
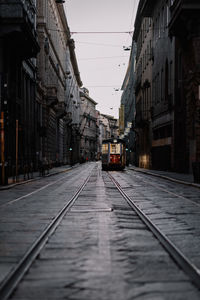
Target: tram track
x=169, y=192
x=32, y=193
x=94, y=235
x=42, y=186
x=181, y=260
x=11, y=281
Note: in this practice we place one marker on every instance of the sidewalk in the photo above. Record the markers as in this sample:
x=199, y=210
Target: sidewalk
x=183, y=178
x=35, y=176
x=186, y=179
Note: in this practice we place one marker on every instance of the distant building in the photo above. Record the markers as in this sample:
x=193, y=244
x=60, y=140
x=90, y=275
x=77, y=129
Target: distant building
x=88, y=127
x=108, y=127
x=99, y=139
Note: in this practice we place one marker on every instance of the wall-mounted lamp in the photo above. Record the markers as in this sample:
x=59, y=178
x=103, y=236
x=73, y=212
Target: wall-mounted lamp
x=126, y=48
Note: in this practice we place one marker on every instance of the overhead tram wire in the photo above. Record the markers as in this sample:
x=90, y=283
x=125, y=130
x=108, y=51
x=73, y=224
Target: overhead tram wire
x=151, y=28
x=92, y=32
x=101, y=32
x=98, y=44
x=132, y=17
x=103, y=86
x=103, y=57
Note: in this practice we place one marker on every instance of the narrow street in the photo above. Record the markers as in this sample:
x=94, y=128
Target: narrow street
x=98, y=247
x=99, y=150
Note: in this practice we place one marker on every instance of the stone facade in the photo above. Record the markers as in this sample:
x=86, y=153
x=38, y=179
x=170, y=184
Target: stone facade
x=143, y=37
x=127, y=132
x=173, y=82
x=154, y=85
x=108, y=127
x=88, y=127
x=18, y=50
x=184, y=27
x=58, y=85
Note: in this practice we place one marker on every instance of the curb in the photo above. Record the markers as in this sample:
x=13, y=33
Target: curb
x=196, y=185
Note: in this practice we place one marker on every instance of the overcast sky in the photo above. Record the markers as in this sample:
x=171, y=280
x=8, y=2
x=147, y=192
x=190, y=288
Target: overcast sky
x=101, y=58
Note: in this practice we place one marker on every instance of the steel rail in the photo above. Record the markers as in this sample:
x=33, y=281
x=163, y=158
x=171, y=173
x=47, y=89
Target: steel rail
x=31, y=193
x=192, y=184
x=167, y=191
x=10, y=283
x=183, y=262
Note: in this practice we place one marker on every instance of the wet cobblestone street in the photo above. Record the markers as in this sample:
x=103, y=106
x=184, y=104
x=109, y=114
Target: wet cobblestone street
x=101, y=249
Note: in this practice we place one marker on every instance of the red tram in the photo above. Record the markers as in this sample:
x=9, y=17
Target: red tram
x=113, y=154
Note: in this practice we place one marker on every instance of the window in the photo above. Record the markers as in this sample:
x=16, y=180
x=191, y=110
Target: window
x=157, y=85
x=151, y=50
x=154, y=91
x=114, y=148
x=167, y=15
x=162, y=21
x=159, y=26
x=172, y=2
x=170, y=77
x=104, y=148
x=161, y=85
x=166, y=81
x=180, y=69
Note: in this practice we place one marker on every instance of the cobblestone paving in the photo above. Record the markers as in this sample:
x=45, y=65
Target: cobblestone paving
x=22, y=221
x=173, y=207
x=102, y=251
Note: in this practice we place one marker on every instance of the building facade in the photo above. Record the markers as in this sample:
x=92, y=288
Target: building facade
x=73, y=100
x=88, y=127
x=173, y=81
x=127, y=130
x=143, y=90
x=154, y=85
x=184, y=27
x=58, y=87
x=18, y=50
x=109, y=127
x=39, y=88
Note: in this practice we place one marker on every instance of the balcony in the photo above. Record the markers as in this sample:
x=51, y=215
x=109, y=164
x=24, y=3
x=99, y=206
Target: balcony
x=51, y=97
x=60, y=109
x=17, y=25
x=184, y=18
